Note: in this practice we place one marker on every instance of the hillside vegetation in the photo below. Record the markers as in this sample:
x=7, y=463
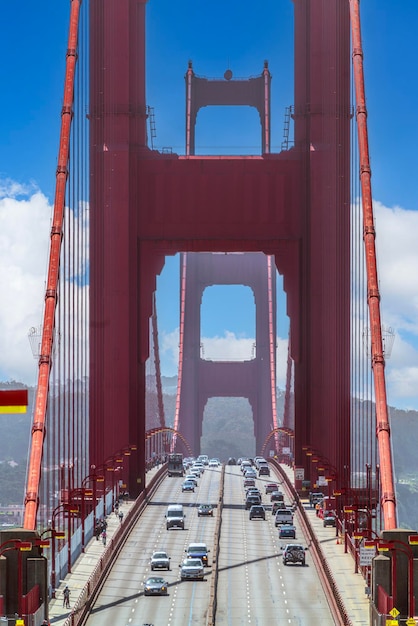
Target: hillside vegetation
x=228, y=430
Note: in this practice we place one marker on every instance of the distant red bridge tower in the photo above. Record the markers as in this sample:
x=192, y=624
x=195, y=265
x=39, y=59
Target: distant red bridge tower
x=254, y=378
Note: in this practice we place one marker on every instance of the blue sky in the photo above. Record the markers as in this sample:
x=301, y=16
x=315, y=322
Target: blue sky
x=214, y=35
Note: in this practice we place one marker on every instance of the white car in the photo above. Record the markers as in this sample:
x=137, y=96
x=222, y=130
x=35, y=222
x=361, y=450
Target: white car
x=192, y=568
x=160, y=560
x=213, y=463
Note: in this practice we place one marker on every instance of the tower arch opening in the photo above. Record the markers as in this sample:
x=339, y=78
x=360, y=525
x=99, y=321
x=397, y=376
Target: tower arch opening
x=227, y=323
x=228, y=428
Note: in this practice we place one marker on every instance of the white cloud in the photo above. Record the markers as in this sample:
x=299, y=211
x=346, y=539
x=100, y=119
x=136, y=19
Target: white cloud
x=24, y=238
x=397, y=253
x=25, y=218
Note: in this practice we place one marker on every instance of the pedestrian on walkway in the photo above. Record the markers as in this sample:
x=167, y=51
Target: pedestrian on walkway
x=66, y=597
x=120, y=516
x=104, y=537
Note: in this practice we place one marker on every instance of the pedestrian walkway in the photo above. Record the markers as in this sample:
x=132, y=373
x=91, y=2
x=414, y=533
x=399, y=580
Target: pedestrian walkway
x=351, y=586
x=83, y=568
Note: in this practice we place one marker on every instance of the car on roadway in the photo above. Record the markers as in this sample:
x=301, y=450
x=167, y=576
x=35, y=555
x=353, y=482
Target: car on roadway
x=283, y=516
x=231, y=461
x=315, y=497
x=188, y=485
x=257, y=511
x=251, y=500
x=287, y=531
x=249, y=482
x=160, y=560
x=250, y=473
x=294, y=553
x=276, y=496
x=214, y=463
x=205, y=510
x=193, y=479
x=251, y=491
x=155, y=586
x=276, y=506
x=192, y=569
x=264, y=470
x=198, y=550
x=329, y=520
x=270, y=487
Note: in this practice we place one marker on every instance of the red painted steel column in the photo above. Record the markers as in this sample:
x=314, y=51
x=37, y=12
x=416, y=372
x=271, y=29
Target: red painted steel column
x=118, y=314
x=378, y=360
x=320, y=337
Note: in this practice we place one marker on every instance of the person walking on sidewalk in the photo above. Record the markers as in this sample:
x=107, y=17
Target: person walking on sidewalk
x=120, y=516
x=104, y=536
x=66, y=598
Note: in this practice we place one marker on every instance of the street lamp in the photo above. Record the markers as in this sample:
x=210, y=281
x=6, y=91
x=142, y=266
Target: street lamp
x=61, y=508
x=94, y=477
x=80, y=493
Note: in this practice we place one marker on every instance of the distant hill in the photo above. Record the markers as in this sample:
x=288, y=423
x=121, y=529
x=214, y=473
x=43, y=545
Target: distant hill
x=227, y=431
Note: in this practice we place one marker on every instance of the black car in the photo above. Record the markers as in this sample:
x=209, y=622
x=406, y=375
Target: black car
x=264, y=471
x=294, y=553
x=205, y=510
x=231, y=461
x=276, y=496
x=329, y=520
x=257, y=511
x=276, y=506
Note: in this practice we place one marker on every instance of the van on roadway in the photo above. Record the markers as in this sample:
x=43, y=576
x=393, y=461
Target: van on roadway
x=175, y=516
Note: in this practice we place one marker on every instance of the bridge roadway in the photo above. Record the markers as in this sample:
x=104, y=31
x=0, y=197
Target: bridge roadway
x=254, y=587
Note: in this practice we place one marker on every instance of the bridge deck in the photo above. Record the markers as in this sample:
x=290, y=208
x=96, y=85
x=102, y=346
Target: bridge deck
x=350, y=585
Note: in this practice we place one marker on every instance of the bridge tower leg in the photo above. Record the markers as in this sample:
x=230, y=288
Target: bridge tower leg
x=201, y=378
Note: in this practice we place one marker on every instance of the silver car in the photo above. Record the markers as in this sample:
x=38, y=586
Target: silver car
x=192, y=568
x=155, y=586
x=160, y=560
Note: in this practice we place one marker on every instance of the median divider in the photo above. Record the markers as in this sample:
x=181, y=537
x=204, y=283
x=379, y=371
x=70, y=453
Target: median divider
x=210, y=618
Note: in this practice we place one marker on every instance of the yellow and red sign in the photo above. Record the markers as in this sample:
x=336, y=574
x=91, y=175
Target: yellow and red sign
x=13, y=400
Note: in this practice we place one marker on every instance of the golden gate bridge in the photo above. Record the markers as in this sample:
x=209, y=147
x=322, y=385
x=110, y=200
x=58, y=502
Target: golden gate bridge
x=121, y=206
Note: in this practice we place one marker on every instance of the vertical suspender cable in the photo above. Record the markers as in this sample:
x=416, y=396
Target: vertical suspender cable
x=38, y=428
x=272, y=346
x=373, y=296
x=160, y=401
x=183, y=271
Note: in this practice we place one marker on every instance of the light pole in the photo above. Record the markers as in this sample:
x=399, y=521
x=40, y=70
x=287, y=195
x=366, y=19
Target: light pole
x=94, y=478
x=61, y=508
x=80, y=493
